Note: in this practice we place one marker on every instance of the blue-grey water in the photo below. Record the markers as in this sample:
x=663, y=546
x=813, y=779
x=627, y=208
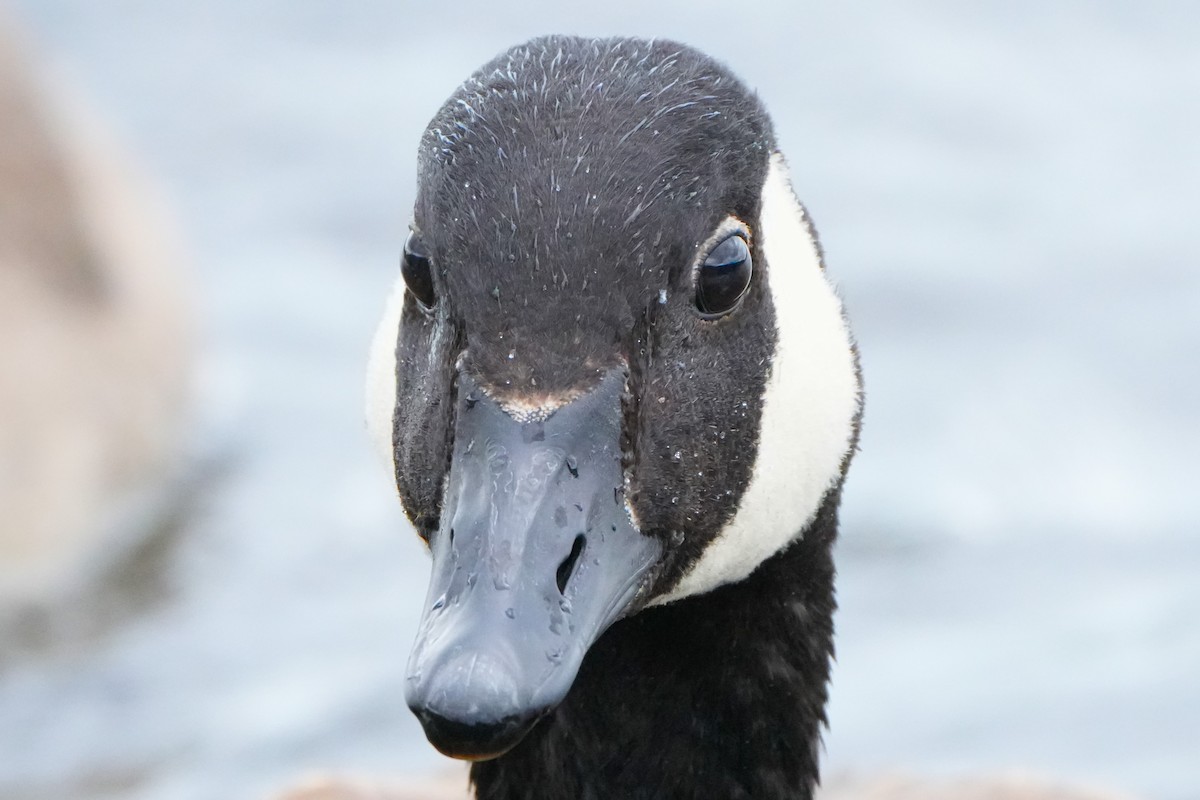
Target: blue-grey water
x=1008, y=196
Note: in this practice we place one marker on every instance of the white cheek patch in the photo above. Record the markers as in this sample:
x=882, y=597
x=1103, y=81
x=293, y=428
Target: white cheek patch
x=381, y=376
x=809, y=404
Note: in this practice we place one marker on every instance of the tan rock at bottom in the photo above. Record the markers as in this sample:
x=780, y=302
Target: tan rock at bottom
x=453, y=786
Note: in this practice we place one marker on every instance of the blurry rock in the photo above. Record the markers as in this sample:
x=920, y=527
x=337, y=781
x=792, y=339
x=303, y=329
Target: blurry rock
x=451, y=785
x=907, y=787
x=94, y=350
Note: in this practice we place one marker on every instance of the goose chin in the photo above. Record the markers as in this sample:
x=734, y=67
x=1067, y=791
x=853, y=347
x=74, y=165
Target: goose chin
x=535, y=558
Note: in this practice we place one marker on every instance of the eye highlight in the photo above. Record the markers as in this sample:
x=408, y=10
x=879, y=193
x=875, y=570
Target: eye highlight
x=417, y=270
x=724, y=276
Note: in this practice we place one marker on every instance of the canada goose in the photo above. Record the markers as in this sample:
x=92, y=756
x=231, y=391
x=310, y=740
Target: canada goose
x=620, y=398
x=95, y=347
x=574, y=275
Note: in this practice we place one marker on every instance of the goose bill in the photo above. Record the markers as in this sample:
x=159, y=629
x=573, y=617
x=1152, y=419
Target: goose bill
x=535, y=557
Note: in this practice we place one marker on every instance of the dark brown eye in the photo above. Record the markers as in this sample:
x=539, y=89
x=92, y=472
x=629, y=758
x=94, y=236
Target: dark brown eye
x=418, y=271
x=724, y=276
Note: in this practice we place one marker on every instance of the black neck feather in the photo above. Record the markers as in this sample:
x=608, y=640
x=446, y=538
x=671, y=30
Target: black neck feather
x=718, y=695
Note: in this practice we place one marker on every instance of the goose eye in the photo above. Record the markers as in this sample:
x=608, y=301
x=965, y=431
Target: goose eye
x=417, y=271
x=724, y=276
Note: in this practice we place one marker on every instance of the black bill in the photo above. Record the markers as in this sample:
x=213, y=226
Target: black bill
x=535, y=557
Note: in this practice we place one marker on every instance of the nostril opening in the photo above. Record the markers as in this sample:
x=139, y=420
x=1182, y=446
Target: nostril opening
x=568, y=565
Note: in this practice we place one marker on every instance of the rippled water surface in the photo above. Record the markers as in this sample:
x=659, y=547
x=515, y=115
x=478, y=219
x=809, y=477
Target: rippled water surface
x=1008, y=201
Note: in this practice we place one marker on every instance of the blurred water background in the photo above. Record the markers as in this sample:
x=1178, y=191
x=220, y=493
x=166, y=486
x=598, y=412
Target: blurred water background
x=1008, y=197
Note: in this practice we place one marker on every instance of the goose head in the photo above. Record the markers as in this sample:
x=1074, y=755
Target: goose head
x=612, y=374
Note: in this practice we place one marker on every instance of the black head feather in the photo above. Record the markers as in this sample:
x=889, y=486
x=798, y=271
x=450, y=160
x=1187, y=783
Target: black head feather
x=565, y=191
